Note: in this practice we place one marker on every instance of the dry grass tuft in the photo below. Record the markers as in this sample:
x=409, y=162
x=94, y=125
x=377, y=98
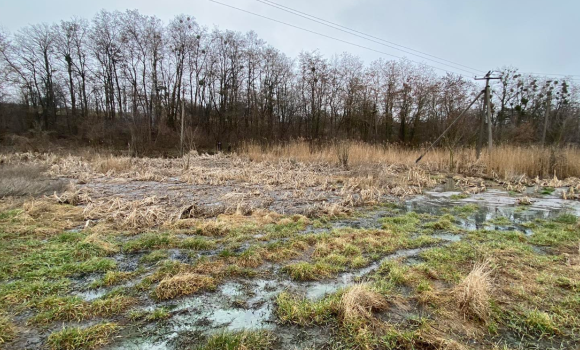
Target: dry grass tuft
x=73, y=196
x=359, y=302
x=7, y=329
x=473, y=293
x=183, y=284
x=54, y=217
x=213, y=228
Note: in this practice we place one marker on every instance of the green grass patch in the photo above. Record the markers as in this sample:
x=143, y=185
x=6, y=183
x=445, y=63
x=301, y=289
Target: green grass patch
x=154, y=256
x=459, y=196
x=255, y=340
x=395, y=272
x=148, y=241
x=547, y=190
x=75, y=309
x=404, y=223
x=157, y=314
x=82, y=338
x=291, y=309
x=465, y=210
x=305, y=271
x=112, y=278
x=197, y=243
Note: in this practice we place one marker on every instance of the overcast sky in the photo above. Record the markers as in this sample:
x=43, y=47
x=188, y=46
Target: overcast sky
x=533, y=35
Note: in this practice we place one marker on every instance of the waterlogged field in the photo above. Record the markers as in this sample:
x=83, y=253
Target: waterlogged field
x=216, y=252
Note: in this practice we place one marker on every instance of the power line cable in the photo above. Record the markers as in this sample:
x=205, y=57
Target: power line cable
x=333, y=38
x=368, y=37
x=546, y=74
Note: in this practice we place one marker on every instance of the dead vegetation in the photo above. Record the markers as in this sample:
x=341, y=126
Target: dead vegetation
x=126, y=214
x=359, y=302
x=473, y=293
x=505, y=161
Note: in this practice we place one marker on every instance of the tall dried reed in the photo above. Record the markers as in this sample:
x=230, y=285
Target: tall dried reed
x=505, y=161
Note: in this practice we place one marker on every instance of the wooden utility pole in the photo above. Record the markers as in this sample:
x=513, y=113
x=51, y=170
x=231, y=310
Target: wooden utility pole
x=488, y=108
x=481, y=127
x=182, y=122
x=487, y=105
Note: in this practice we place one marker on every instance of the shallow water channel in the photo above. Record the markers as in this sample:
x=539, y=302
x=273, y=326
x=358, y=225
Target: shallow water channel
x=249, y=303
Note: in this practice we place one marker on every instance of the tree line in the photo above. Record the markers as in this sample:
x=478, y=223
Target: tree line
x=128, y=76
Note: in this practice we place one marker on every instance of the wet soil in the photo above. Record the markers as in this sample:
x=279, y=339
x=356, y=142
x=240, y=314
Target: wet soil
x=243, y=304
